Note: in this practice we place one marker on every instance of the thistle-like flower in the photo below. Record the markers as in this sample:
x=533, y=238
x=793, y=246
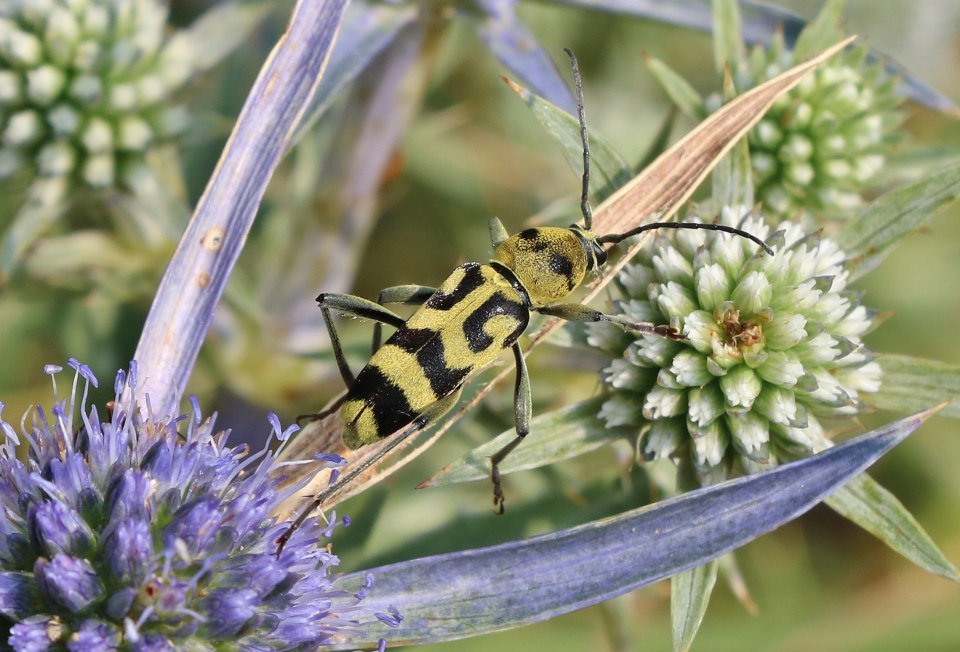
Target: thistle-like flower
x=86, y=86
x=773, y=343
x=124, y=534
x=824, y=143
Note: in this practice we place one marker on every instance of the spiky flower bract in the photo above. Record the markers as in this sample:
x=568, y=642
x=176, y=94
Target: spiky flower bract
x=86, y=86
x=773, y=344
x=122, y=534
x=823, y=144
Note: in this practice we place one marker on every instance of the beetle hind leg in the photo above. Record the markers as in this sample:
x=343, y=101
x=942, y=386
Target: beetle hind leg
x=522, y=409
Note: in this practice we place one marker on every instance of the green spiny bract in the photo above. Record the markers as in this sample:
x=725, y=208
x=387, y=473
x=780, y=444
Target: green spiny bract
x=773, y=343
x=86, y=86
x=824, y=143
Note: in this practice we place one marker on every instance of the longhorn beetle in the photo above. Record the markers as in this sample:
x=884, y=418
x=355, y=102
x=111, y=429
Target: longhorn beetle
x=481, y=309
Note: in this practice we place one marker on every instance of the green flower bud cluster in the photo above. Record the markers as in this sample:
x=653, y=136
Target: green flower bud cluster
x=86, y=86
x=824, y=143
x=773, y=343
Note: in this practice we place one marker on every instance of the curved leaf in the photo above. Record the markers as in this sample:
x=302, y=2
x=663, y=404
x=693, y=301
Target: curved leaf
x=876, y=510
x=197, y=275
x=565, y=129
x=554, y=436
x=367, y=30
x=689, y=596
x=871, y=236
x=467, y=593
x=519, y=51
x=910, y=383
x=760, y=22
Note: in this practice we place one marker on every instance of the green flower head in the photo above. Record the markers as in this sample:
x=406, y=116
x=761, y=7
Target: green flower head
x=823, y=144
x=773, y=343
x=86, y=86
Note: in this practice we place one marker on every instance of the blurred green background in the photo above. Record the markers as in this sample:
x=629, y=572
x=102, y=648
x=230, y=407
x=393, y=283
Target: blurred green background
x=473, y=151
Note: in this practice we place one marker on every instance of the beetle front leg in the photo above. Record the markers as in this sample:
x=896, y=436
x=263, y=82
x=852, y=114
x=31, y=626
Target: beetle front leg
x=579, y=312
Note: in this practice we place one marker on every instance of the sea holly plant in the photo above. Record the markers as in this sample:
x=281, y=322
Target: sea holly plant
x=89, y=91
x=439, y=596
x=825, y=144
x=123, y=531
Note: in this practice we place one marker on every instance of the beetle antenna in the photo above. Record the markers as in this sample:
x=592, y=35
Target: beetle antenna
x=585, y=190
x=615, y=238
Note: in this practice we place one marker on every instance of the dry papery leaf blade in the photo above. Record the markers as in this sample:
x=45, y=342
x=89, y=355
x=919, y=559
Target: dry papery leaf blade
x=653, y=195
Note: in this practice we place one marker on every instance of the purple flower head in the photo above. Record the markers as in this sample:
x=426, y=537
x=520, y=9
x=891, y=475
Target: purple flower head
x=148, y=533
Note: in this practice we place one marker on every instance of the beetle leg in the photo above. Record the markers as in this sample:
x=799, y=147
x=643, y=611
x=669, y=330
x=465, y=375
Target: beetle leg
x=413, y=295
x=579, y=312
x=358, y=307
x=522, y=408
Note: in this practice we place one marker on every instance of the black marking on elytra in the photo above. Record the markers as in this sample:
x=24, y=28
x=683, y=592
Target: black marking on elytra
x=443, y=378
x=477, y=339
x=412, y=340
x=472, y=279
x=391, y=410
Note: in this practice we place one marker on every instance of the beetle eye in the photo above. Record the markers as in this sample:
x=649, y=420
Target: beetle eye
x=600, y=254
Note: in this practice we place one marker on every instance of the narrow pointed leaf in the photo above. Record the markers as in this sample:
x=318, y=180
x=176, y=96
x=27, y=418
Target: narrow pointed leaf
x=216, y=33
x=366, y=32
x=822, y=30
x=871, y=236
x=727, y=43
x=44, y=205
x=554, y=436
x=519, y=51
x=606, y=165
x=678, y=89
x=689, y=596
x=761, y=21
x=467, y=593
x=876, y=510
x=197, y=275
x=909, y=383
x=733, y=176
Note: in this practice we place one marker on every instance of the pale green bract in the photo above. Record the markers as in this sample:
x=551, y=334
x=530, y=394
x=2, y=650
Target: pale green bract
x=773, y=344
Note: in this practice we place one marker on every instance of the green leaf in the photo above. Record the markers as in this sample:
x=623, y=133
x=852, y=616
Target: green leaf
x=565, y=129
x=727, y=42
x=876, y=510
x=554, y=436
x=45, y=204
x=214, y=35
x=689, y=596
x=909, y=383
x=678, y=89
x=461, y=594
x=822, y=31
x=733, y=176
x=660, y=142
x=367, y=31
x=871, y=236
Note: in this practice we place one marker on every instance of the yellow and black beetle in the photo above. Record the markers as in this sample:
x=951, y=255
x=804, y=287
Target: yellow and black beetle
x=481, y=309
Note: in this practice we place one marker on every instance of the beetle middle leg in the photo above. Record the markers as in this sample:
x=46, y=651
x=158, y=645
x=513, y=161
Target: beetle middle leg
x=411, y=295
x=348, y=304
